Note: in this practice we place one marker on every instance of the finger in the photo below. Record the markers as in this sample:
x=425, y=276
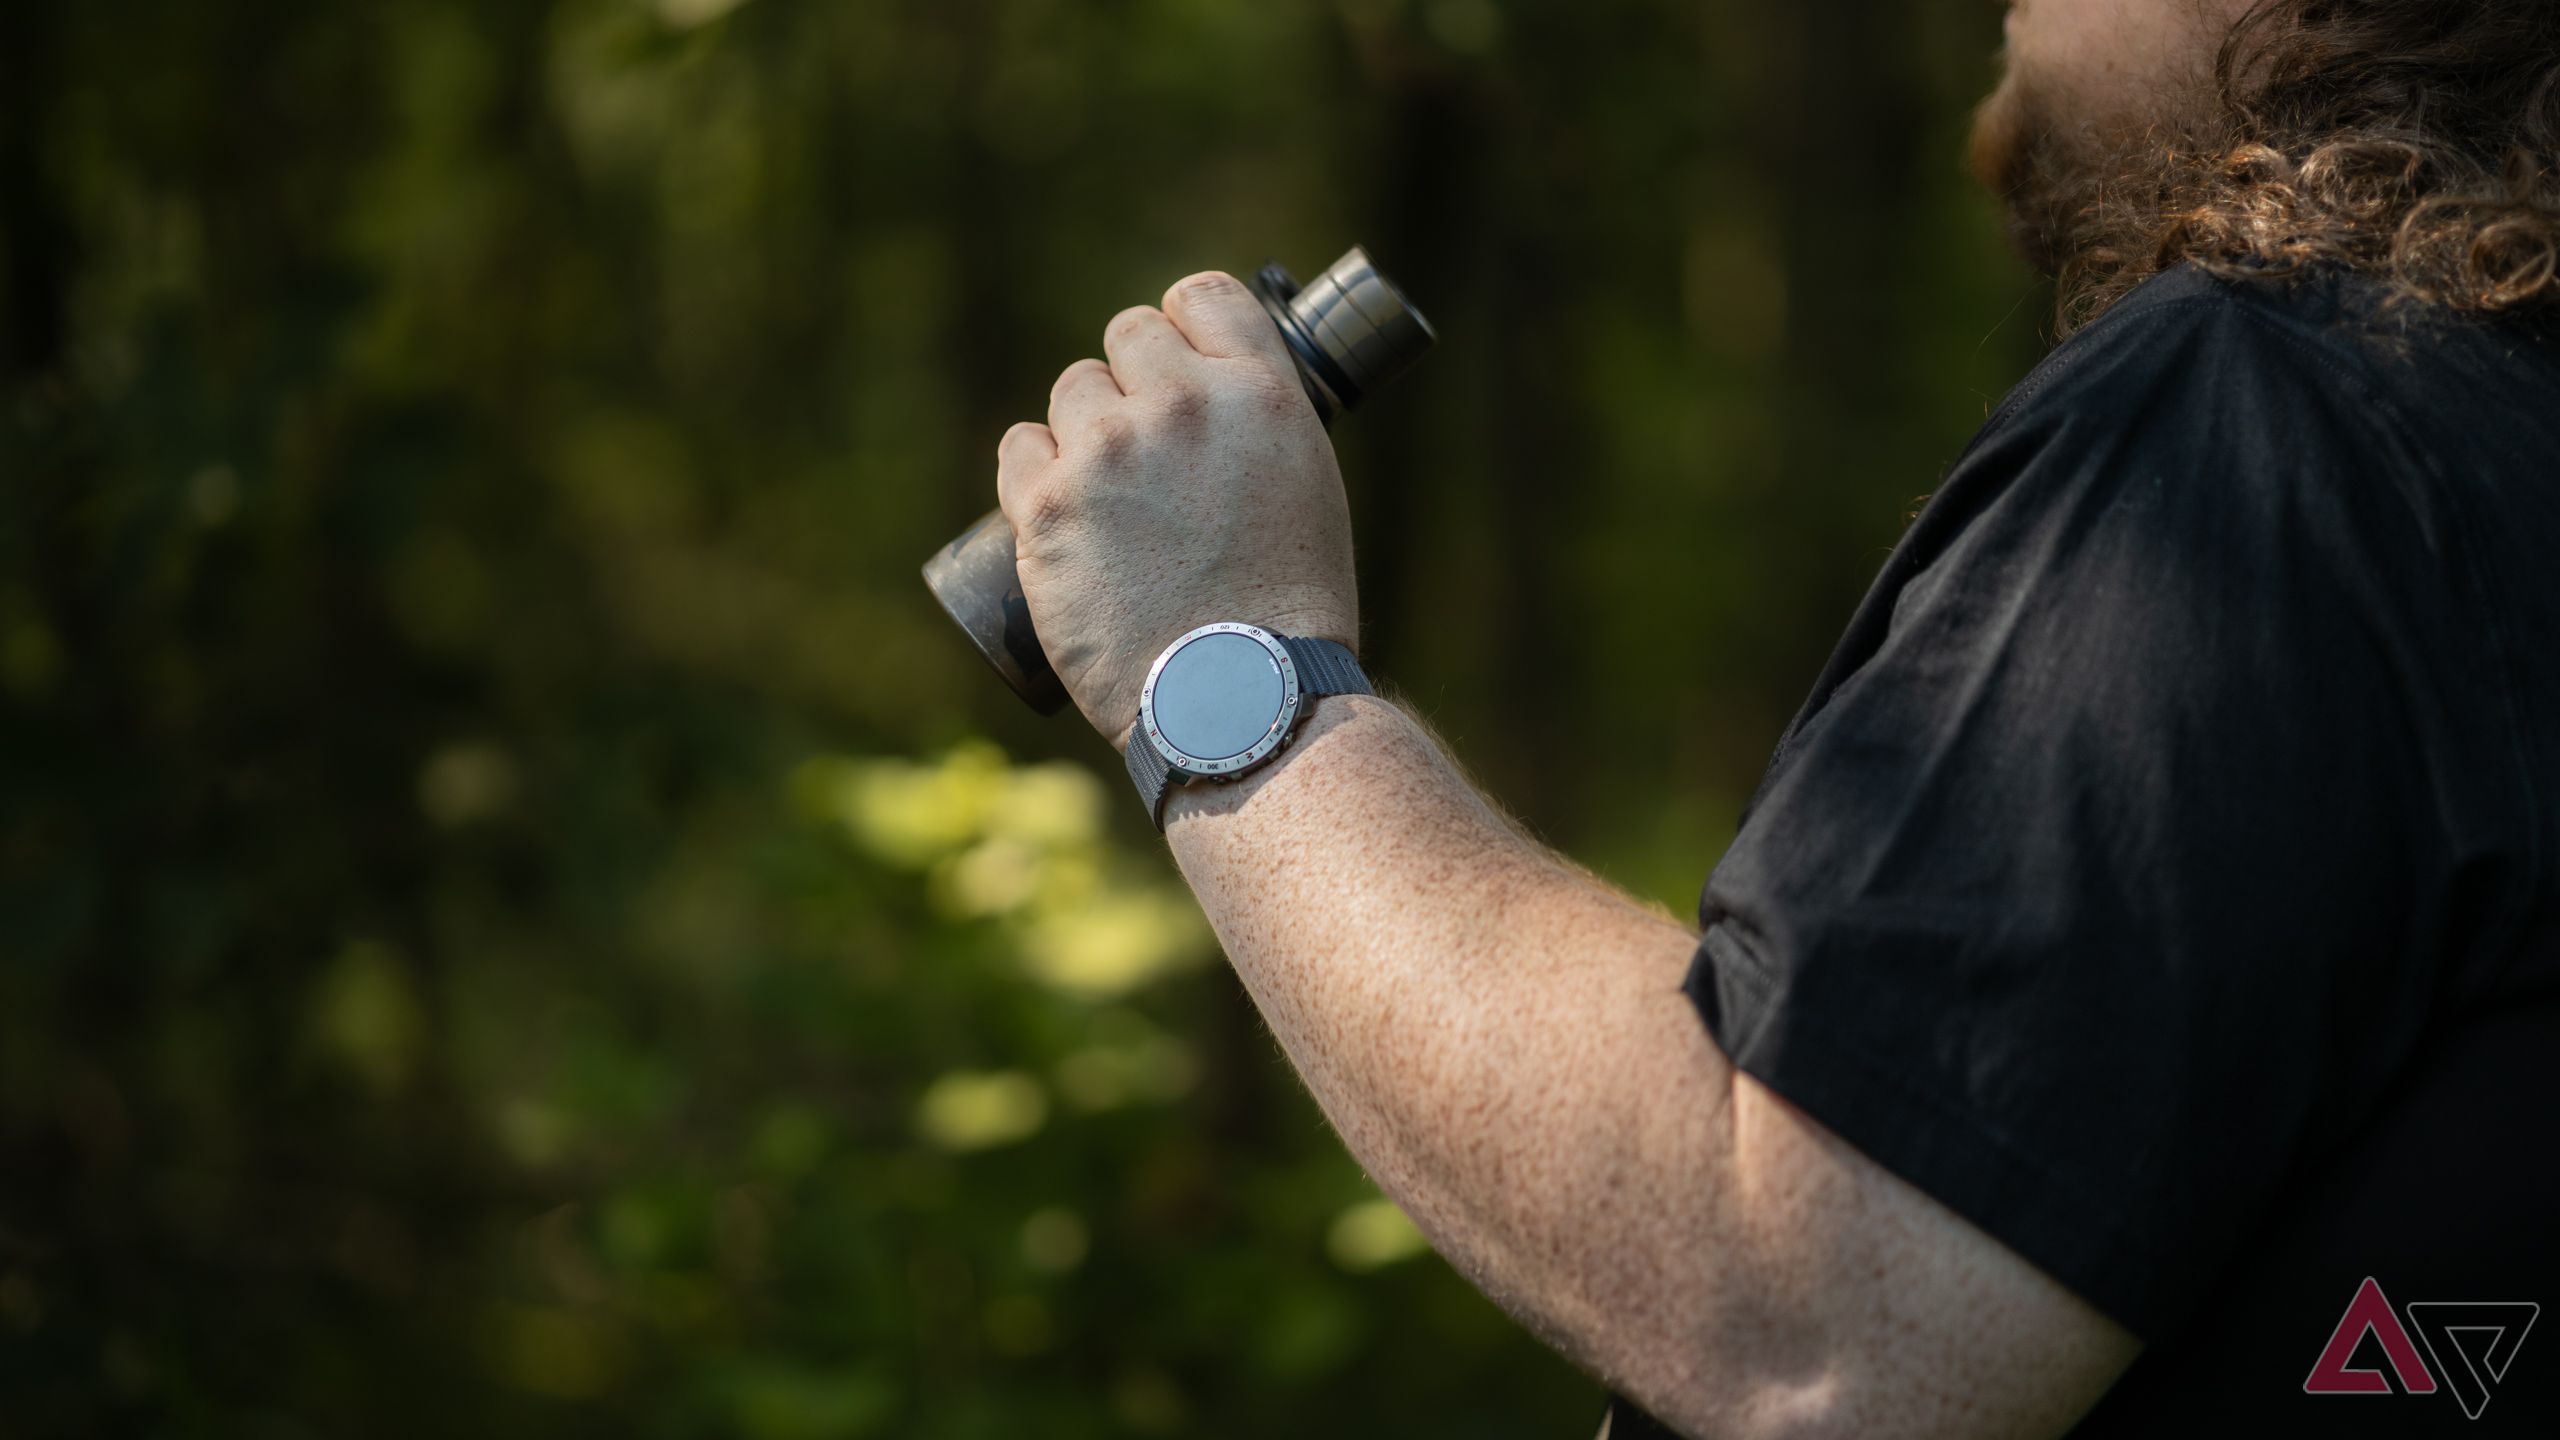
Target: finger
x=1145, y=348
x=1028, y=443
x=1082, y=395
x=1222, y=319
x=1021, y=457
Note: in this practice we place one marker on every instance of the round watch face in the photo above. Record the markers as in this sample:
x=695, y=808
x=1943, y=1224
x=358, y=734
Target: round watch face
x=1220, y=699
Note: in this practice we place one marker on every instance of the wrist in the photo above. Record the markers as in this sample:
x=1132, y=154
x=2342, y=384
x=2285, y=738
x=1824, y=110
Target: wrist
x=1223, y=701
x=1333, y=715
x=1297, y=624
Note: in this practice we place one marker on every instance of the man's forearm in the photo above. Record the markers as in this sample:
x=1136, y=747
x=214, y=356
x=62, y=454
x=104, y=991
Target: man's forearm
x=1501, y=1040
x=1497, y=1035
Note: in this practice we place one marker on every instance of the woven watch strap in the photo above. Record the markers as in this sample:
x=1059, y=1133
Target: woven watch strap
x=1148, y=768
x=1324, y=667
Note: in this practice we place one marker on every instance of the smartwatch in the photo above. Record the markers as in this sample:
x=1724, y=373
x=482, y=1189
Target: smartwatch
x=1222, y=700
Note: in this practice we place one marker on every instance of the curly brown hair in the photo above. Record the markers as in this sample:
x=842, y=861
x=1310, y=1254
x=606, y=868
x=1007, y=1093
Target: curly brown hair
x=2417, y=141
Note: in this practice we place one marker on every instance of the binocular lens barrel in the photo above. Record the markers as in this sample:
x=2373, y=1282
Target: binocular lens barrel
x=1350, y=331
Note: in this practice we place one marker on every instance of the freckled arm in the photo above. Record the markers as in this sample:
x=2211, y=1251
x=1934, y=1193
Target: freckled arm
x=1502, y=1040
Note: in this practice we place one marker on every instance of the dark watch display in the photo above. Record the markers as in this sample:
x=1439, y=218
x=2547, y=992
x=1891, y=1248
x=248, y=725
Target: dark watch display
x=1223, y=699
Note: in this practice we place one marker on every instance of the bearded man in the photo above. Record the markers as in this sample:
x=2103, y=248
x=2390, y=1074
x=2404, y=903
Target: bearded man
x=2133, y=999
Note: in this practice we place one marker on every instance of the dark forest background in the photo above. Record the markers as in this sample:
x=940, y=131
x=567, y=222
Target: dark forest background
x=517, y=916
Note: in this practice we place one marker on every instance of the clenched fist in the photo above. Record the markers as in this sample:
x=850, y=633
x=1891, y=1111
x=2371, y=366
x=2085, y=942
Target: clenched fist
x=1184, y=482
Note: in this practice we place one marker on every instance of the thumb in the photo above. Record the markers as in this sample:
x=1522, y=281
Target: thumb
x=1223, y=320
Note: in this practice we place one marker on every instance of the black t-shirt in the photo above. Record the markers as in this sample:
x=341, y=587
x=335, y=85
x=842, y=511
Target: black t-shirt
x=2163, y=874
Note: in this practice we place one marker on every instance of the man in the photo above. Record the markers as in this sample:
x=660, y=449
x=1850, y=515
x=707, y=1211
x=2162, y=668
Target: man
x=2149, y=929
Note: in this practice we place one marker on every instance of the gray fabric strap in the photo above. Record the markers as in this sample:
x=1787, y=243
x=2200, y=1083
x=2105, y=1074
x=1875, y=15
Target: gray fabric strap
x=1324, y=668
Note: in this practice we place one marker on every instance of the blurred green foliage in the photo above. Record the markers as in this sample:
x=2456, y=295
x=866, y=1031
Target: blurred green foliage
x=514, y=919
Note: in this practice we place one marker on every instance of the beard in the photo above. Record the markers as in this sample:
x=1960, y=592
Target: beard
x=2070, y=179
x=2043, y=170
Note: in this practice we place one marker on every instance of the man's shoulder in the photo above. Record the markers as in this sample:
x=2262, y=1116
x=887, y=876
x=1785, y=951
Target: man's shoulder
x=2327, y=354
x=2204, y=422
x=2189, y=346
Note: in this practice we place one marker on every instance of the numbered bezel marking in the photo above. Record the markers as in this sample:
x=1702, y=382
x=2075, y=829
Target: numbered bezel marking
x=1262, y=749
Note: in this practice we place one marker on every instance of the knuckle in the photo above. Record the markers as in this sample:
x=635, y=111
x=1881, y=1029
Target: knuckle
x=1183, y=403
x=1016, y=438
x=1041, y=507
x=1068, y=376
x=1127, y=324
x=1114, y=438
x=1207, y=285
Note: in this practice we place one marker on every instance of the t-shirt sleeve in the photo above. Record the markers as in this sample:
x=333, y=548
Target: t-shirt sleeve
x=2096, y=883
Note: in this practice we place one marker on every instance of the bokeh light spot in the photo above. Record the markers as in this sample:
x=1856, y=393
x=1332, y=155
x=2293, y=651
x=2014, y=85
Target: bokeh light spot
x=1371, y=1236
x=1054, y=1240
x=365, y=1015
x=979, y=1110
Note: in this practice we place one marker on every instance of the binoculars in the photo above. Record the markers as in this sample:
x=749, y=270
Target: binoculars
x=1350, y=331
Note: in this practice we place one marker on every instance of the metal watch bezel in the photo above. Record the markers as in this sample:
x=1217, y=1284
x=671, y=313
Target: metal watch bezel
x=1286, y=719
